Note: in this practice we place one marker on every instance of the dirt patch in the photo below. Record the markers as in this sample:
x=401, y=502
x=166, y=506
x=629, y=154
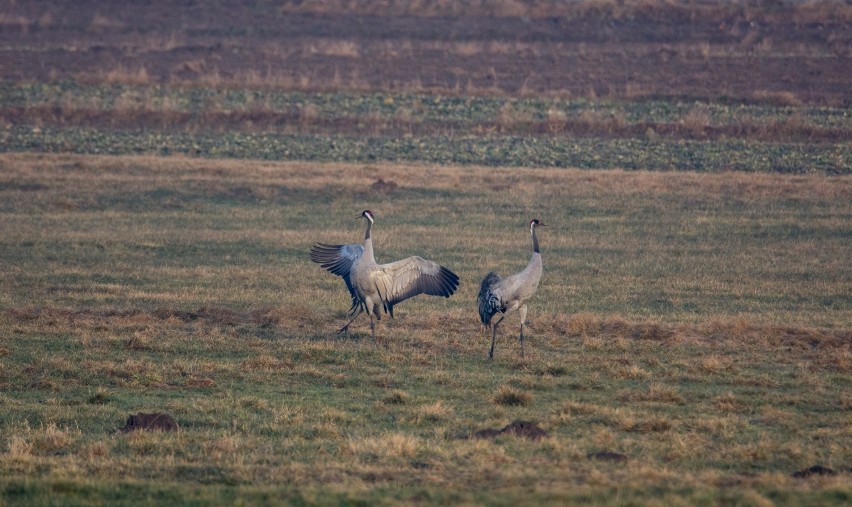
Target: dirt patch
x=525, y=429
x=384, y=187
x=607, y=456
x=212, y=314
x=218, y=315
x=35, y=313
x=689, y=53
x=577, y=326
x=814, y=470
x=587, y=325
x=156, y=421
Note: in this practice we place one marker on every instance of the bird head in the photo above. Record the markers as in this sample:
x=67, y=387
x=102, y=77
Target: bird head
x=366, y=214
x=535, y=222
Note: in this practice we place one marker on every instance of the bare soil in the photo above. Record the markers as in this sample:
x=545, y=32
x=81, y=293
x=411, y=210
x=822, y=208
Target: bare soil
x=747, y=55
x=525, y=429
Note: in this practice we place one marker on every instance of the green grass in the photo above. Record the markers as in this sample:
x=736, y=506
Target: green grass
x=697, y=323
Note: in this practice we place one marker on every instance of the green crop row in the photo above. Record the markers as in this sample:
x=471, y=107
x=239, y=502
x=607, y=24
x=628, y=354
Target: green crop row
x=421, y=107
x=494, y=150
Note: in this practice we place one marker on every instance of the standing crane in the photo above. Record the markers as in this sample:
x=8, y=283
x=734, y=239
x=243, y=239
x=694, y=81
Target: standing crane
x=505, y=295
x=378, y=287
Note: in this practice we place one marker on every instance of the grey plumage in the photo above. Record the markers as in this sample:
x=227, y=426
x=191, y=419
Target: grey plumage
x=488, y=301
x=338, y=260
x=505, y=295
x=376, y=288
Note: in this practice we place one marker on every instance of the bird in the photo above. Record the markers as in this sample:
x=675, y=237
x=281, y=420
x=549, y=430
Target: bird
x=377, y=288
x=505, y=295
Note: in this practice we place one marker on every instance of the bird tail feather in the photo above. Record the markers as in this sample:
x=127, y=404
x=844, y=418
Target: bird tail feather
x=488, y=301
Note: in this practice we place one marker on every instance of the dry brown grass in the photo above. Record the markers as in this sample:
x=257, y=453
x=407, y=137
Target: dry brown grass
x=655, y=393
x=124, y=75
x=397, y=397
x=697, y=121
x=433, y=412
x=778, y=98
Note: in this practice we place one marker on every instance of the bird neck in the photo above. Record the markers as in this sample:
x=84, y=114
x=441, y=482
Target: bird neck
x=369, y=228
x=368, y=250
x=368, y=242
x=535, y=241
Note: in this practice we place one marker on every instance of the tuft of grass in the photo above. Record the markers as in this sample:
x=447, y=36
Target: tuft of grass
x=19, y=448
x=649, y=424
x=388, y=446
x=583, y=324
x=510, y=396
x=726, y=402
x=696, y=121
x=101, y=396
x=435, y=412
x=656, y=392
x=553, y=370
x=396, y=397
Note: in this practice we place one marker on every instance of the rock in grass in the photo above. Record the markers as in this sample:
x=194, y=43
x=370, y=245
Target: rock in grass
x=150, y=422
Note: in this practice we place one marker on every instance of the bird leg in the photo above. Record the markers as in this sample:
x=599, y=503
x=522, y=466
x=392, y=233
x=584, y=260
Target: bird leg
x=523, y=311
x=372, y=327
x=494, y=336
x=345, y=329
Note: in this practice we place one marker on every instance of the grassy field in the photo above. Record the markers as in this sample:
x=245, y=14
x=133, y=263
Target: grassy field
x=165, y=168
x=696, y=327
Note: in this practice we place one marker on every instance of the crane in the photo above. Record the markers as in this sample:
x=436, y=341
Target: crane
x=378, y=287
x=505, y=295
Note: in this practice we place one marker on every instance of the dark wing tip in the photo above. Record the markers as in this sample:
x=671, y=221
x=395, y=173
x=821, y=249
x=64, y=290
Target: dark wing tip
x=449, y=282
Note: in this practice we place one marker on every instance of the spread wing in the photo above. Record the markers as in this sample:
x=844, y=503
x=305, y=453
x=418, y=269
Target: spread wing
x=409, y=277
x=338, y=260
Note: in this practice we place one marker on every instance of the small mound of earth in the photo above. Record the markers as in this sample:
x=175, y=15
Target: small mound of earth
x=380, y=185
x=526, y=429
x=607, y=456
x=150, y=422
x=814, y=470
